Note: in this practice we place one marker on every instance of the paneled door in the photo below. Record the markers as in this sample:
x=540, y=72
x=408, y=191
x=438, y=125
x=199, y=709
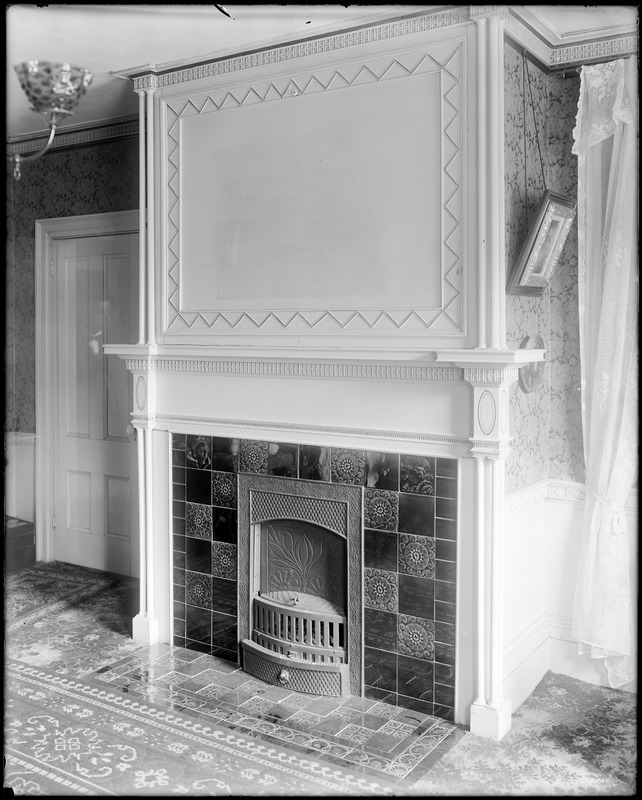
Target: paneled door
x=95, y=283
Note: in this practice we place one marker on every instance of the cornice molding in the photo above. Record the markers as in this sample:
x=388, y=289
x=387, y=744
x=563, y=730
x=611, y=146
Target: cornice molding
x=75, y=138
x=275, y=54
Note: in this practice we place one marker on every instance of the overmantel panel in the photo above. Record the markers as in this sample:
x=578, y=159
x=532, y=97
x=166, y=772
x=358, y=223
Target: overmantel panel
x=324, y=200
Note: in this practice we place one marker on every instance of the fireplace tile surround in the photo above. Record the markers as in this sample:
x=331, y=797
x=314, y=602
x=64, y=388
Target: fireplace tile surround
x=409, y=556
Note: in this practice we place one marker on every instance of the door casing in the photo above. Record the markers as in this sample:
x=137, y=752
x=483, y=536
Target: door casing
x=46, y=234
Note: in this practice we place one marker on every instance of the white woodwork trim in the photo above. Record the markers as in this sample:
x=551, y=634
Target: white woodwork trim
x=75, y=137
x=522, y=647
x=527, y=496
x=47, y=232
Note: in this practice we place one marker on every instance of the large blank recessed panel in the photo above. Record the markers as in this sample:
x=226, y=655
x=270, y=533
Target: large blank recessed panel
x=318, y=201
x=78, y=501
x=118, y=512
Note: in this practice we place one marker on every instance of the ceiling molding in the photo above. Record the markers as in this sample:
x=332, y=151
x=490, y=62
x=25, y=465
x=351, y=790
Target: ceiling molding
x=119, y=129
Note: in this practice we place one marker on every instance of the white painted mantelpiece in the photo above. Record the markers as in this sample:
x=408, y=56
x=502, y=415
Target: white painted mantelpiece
x=324, y=264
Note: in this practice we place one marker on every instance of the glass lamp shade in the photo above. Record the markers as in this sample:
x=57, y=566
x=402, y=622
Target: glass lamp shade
x=53, y=88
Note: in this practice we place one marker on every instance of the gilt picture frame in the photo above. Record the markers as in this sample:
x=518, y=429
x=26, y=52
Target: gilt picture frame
x=543, y=245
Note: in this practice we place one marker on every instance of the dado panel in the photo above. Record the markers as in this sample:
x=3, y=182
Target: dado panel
x=325, y=203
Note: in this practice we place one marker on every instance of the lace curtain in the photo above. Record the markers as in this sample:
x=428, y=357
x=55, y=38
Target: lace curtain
x=606, y=142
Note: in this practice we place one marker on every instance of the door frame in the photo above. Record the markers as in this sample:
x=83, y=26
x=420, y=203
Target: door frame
x=47, y=232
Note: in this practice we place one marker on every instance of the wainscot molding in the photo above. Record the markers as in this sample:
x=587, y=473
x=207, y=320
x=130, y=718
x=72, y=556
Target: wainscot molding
x=527, y=496
x=575, y=492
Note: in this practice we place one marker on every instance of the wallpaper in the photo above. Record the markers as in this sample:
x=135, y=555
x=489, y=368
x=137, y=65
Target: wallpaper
x=98, y=178
x=545, y=424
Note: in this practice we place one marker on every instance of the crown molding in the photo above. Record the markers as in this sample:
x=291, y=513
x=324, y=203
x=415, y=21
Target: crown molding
x=75, y=137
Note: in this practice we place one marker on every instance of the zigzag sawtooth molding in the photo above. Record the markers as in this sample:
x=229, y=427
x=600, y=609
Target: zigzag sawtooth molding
x=326, y=44
x=297, y=369
x=445, y=319
x=177, y=423
x=76, y=138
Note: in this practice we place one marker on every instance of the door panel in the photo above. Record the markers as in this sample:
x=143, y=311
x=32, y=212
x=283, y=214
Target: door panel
x=95, y=493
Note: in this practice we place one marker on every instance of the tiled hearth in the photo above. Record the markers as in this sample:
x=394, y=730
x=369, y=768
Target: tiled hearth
x=409, y=516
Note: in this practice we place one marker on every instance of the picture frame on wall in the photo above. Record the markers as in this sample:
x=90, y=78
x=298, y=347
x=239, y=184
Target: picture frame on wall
x=543, y=246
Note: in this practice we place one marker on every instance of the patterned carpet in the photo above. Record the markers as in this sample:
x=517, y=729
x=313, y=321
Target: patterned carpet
x=89, y=712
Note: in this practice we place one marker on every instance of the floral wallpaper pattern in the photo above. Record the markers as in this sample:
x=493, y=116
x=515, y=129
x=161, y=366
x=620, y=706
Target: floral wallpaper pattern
x=97, y=178
x=545, y=424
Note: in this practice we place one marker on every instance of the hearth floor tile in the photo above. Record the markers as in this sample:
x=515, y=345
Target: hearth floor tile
x=371, y=736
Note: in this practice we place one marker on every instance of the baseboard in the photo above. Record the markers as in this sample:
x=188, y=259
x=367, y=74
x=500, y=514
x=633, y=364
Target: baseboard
x=20, y=475
x=526, y=661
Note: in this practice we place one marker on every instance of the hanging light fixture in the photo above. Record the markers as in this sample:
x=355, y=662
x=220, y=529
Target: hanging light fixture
x=54, y=90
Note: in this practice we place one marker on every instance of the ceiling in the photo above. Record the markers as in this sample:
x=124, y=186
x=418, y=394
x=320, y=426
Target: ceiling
x=109, y=38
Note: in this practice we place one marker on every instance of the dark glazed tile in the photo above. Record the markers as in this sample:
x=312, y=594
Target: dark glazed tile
x=446, y=550
x=417, y=555
x=414, y=704
x=179, y=613
x=416, y=514
x=381, y=509
x=382, y=471
x=383, y=695
x=178, y=526
x=179, y=641
x=445, y=695
x=178, y=543
x=445, y=674
x=445, y=612
x=417, y=474
x=416, y=637
x=224, y=489
x=178, y=509
x=178, y=472
x=380, y=629
x=198, y=520
x=447, y=467
x=199, y=486
x=224, y=560
x=445, y=633
x=380, y=589
x=445, y=653
x=283, y=460
x=179, y=627
x=198, y=453
x=253, y=456
x=178, y=577
x=446, y=529
x=446, y=571
x=415, y=678
x=446, y=508
x=348, y=466
x=225, y=525
x=178, y=491
x=179, y=591
x=446, y=592
x=179, y=559
x=224, y=596
x=314, y=463
x=444, y=712
x=179, y=441
x=198, y=625
x=224, y=631
x=380, y=669
x=198, y=590
x=416, y=596
x=199, y=555
x=447, y=487
x=380, y=550
x=201, y=647
x=225, y=453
